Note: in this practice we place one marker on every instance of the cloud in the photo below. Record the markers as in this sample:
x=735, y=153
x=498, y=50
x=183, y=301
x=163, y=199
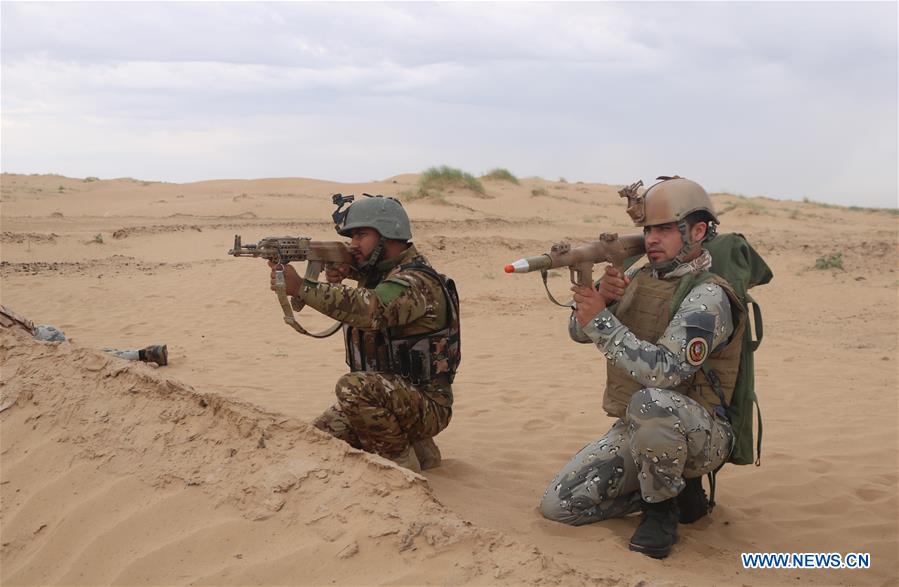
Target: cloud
x=794, y=99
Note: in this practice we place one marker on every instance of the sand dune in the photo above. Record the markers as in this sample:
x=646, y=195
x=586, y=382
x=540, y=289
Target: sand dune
x=205, y=471
x=114, y=473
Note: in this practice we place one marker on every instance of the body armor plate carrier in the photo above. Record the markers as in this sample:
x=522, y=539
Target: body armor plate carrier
x=420, y=358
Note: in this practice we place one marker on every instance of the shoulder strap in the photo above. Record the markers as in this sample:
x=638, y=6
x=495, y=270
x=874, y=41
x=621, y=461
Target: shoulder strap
x=445, y=284
x=685, y=286
x=423, y=267
x=756, y=321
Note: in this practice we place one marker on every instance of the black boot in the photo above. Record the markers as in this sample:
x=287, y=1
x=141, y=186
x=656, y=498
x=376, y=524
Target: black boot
x=692, y=501
x=158, y=353
x=657, y=531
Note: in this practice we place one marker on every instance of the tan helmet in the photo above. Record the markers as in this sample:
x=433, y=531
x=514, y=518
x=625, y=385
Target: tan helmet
x=669, y=200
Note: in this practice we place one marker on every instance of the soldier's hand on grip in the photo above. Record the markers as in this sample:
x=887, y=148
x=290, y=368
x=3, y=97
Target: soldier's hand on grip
x=291, y=279
x=612, y=284
x=589, y=302
x=335, y=273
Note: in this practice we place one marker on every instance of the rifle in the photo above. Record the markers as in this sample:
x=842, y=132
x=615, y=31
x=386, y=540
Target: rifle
x=609, y=248
x=285, y=249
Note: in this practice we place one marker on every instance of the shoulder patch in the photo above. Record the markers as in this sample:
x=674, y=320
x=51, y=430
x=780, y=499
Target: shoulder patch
x=399, y=280
x=697, y=351
x=389, y=290
x=704, y=321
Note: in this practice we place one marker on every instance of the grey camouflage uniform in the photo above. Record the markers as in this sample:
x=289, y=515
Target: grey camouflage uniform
x=663, y=436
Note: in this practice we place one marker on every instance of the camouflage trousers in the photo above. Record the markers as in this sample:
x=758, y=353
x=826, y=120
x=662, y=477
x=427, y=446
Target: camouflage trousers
x=382, y=413
x=663, y=438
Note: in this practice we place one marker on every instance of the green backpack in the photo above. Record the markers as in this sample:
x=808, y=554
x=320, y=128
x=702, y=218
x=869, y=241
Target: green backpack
x=734, y=259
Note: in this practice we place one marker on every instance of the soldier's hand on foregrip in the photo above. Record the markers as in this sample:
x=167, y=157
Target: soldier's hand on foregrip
x=612, y=284
x=588, y=303
x=335, y=273
x=291, y=279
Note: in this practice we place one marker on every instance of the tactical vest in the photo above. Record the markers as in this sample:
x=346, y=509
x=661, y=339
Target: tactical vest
x=417, y=354
x=645, y=308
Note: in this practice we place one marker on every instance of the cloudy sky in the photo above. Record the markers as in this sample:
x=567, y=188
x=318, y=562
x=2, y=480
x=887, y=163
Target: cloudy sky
x=765, y=98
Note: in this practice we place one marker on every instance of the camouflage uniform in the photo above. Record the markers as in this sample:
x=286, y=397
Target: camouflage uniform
x=377, y=410
x=661, y=435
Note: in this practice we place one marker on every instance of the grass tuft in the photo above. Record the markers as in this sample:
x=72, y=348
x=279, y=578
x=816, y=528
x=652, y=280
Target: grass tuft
x=443, y=177
x=500, y=174
x=891, y=211
x=752, y=208
x=435, y=180
x=834, y=261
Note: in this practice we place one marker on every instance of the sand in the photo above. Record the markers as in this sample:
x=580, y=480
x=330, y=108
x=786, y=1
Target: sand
x=205, y=471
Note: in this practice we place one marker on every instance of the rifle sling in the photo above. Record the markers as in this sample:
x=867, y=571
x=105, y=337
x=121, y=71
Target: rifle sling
x=281, y=291
x=570, y=304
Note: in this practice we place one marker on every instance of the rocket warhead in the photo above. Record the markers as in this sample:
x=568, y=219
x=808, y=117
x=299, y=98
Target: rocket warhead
x=529, y=264
x=519, y=266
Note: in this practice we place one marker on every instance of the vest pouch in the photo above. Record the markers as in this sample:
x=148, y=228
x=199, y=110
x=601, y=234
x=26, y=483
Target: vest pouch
x=355, y=359
x=420, y=362
x=399, y=359
x=644, y=308
x=444, y=355
x=382, y=357
x=411, y=359
x=366, y=350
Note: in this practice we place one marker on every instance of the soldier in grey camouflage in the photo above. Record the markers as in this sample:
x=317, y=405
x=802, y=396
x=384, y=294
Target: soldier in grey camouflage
x=669, y=371
x=401, y=329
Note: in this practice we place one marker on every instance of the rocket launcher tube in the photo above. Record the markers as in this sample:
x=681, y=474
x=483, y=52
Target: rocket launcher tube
x=609, y=248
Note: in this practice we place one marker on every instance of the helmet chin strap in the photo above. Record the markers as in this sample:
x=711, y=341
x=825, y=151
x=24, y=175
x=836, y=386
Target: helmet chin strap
x=373, y=259
x=686, y=250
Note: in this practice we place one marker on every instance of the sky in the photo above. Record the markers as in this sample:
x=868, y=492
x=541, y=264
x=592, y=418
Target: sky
x=786, y=100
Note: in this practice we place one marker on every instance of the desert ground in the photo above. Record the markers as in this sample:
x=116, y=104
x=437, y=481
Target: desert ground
x=206, y=471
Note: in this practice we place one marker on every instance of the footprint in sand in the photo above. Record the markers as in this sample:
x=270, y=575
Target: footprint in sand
x=871, y=493
x=820, y=466
x=536, y=424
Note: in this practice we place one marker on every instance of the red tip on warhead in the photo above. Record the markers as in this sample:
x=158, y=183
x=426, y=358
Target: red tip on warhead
x=509, y=269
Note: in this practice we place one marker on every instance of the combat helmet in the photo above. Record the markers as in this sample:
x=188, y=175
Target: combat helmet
x=674, y=198
x=671, y=199
x=386, y=215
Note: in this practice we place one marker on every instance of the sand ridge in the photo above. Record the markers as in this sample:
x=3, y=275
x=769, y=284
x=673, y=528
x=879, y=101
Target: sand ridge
x=123, y=444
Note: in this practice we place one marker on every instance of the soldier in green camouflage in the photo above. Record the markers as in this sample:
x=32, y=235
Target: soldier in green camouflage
x=669, y=372
x=401, y=329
